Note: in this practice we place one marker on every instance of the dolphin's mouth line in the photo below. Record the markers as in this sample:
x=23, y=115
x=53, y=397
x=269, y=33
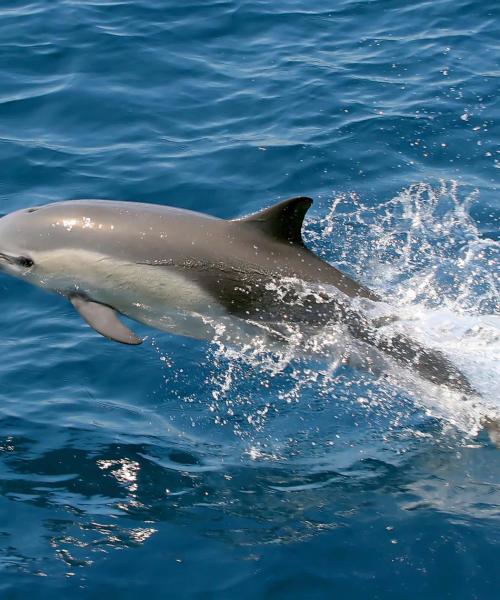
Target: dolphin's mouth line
x=6, y=257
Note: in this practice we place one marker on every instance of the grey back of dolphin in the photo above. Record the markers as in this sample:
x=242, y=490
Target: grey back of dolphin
x=105, y=255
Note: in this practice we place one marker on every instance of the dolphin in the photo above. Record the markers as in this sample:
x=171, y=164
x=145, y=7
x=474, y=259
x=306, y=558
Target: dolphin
x=182, y=271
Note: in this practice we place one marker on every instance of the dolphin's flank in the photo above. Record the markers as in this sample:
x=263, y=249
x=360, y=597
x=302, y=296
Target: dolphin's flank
x=180, y=271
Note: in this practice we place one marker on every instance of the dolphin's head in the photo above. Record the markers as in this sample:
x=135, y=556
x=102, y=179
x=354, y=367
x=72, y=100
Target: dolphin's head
x=32, y=242
x=18, y=242
x=66, y=246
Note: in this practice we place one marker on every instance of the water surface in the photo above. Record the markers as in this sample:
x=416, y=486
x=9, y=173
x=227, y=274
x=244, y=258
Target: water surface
x=198, y=470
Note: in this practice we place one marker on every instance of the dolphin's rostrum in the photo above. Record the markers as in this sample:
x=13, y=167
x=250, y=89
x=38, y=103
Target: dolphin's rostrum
x=179, y=270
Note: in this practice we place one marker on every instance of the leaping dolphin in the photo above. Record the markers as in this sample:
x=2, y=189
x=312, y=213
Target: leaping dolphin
x=178, y=270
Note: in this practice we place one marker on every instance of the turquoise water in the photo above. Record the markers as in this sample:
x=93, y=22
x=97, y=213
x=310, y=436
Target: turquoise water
x=188, y=469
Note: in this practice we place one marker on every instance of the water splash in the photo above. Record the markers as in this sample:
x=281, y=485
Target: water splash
x=422, y=250
x=420, y=247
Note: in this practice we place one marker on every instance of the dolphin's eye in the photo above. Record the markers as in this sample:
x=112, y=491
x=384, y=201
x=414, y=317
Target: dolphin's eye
x=25, y=261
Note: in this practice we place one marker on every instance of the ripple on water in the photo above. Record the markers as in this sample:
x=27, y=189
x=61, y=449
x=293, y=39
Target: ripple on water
x=255, y=471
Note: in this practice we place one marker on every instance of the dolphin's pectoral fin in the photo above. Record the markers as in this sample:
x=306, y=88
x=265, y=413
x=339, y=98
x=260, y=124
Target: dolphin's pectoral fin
x=104, y=320
x=282, y=221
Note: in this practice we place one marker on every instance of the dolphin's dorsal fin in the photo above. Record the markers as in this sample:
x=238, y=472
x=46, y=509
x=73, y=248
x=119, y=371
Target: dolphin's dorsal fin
x=283, y=221
x=103, y=319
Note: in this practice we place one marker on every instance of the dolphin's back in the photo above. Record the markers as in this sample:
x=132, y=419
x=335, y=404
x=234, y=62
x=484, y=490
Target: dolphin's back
x=130, y=230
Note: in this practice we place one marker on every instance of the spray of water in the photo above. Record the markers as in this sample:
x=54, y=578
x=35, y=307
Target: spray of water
x=421, y=250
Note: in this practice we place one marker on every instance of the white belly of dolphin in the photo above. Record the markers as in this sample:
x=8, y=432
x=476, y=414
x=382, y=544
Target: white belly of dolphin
x=154, y=295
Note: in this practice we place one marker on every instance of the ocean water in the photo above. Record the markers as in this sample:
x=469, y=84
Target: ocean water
x=188, y=469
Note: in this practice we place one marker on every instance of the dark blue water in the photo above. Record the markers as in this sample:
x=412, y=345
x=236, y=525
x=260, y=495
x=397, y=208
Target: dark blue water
x=187, y=469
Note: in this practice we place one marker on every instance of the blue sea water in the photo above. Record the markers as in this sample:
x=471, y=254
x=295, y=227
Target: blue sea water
x=188, y=469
